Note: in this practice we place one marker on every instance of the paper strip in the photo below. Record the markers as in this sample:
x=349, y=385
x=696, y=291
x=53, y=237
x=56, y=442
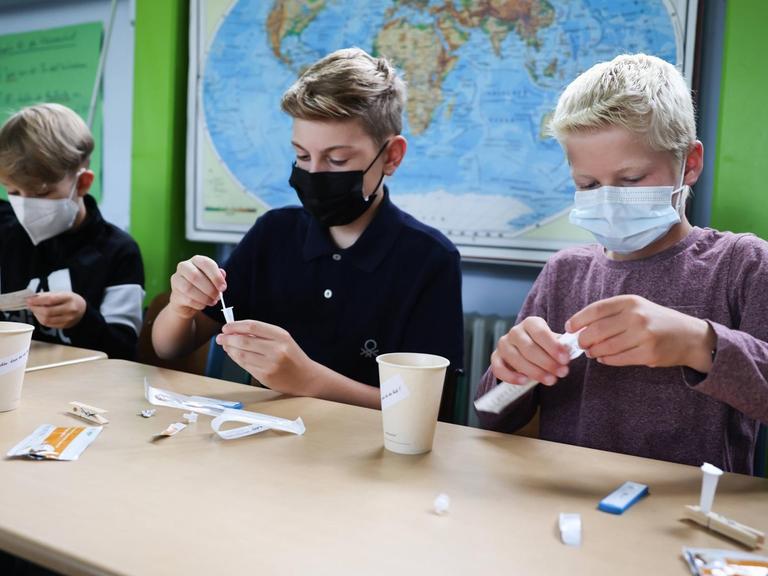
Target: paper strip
x=13, y=301
x=255, y=423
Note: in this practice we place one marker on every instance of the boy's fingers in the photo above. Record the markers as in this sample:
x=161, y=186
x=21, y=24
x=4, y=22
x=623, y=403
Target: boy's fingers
x=211, y=270
x=616, y=345
x=631, y=357
x=502, y=371
x=252, y=328
x=197, y=278
x=186, y=289
x=601, y=330
x=520, y=362
x=539, y=332
x=594, y=312
x=536, y=355
x=47, y=299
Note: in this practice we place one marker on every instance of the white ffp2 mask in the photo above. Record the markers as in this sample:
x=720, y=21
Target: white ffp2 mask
x=44, y=218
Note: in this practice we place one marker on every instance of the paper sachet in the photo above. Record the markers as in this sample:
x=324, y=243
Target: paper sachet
x=710, y=561
x=50, y=442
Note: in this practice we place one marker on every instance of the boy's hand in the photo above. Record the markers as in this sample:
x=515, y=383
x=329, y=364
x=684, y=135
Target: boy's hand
x=530, y=351
x=195, y=285
x=632, y=331
x=57, y=309
x=270, y=355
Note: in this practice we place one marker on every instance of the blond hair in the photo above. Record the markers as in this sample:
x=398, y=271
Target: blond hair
x=350, y=84
x=642, y=94
x=43, y=144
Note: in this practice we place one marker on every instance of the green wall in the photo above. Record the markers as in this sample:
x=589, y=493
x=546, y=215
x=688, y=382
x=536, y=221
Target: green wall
x=159, y=140
x=739, y=196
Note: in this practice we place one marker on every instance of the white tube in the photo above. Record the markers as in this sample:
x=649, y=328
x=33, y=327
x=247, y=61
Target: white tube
x=711, y=474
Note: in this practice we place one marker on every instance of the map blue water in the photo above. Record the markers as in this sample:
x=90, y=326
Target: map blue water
x=484, y=147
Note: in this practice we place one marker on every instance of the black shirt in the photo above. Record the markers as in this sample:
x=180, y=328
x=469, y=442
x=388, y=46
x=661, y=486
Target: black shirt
x=97, y=260
x=397, y=289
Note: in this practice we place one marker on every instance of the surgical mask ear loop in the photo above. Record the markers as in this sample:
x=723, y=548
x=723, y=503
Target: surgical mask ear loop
x=680, y=189
x=72, y=193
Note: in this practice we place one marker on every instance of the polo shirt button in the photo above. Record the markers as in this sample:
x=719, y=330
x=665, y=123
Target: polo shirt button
x=336, y=257
x=327, y=294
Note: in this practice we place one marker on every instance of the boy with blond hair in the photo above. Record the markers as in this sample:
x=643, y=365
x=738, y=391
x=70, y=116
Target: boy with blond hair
x=86, y=273
x=324, y=288
x=671, y=316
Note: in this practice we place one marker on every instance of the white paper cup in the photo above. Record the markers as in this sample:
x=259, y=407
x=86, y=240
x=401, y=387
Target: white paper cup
x=711, y=474
x=411, y=390
x=14, y=350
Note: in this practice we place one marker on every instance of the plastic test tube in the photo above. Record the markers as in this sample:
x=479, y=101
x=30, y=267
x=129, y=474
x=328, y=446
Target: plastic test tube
x=708, y=486
x=229, y=316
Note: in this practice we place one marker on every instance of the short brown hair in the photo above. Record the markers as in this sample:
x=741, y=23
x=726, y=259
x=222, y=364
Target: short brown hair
x=43, y=144
x=350, y=84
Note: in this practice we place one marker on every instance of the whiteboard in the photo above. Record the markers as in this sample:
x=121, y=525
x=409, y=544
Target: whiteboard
x=242, y=57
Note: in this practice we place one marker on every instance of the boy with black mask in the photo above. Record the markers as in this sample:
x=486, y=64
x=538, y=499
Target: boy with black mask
x=325, y=288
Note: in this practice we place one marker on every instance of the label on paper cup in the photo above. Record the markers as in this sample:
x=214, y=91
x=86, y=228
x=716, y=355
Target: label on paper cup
x=13, y=362
x=393, y=391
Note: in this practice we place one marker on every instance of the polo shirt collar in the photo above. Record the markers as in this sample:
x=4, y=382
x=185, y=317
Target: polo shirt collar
x=372, y=246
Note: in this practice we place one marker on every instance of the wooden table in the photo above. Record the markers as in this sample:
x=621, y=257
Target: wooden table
x=332, y=501
x=43, y=355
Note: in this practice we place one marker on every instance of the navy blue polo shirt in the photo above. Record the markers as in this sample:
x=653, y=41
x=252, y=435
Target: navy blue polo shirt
x=397, y=289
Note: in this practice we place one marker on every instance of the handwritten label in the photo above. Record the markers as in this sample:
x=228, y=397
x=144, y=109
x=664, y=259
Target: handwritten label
x=393, y=391
x=14, y=362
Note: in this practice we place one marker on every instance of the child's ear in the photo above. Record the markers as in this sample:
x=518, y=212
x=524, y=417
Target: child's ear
x=694, y=163
x=394, y=154
x=85, y=182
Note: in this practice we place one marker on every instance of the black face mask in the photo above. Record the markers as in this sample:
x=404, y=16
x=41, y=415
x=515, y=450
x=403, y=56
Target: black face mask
x=334, y=198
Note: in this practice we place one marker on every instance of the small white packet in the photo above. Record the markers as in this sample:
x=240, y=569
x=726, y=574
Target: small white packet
x=255, y=423
x=172, y=430
x=49, y=442
x=498, y=398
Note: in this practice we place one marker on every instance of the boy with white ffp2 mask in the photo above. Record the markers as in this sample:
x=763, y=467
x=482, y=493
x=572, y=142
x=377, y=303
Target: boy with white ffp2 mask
x=671, y=316
x=87, y=274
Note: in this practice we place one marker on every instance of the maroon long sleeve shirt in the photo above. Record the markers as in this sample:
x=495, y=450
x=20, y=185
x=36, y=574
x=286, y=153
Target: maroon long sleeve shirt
x=674, y=414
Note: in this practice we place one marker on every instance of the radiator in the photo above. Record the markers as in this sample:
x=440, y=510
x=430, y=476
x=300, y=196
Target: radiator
x=481, y=333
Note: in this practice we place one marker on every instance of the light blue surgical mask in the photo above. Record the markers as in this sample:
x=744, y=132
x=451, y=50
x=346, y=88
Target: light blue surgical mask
x=627, y=219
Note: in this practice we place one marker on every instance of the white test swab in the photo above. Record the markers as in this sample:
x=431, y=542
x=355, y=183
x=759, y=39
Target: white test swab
x=229, y=316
